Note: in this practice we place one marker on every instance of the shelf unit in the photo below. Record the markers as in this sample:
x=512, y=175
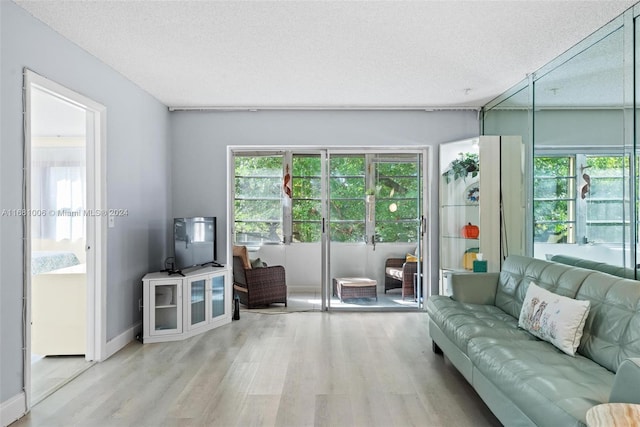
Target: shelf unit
x=499, y=212
x=176, y=307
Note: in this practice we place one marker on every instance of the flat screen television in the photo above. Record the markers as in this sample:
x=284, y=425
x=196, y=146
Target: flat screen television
x=194, y=242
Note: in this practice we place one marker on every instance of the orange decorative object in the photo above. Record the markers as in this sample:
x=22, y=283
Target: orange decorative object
x=470, y=231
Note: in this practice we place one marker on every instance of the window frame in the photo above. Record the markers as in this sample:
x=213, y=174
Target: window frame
x=237, y=198
x=288, y=219
x=578, y=215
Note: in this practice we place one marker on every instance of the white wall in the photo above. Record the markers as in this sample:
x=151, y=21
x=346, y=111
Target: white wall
x=304, y=264
x=200, y=141
x=137, y=176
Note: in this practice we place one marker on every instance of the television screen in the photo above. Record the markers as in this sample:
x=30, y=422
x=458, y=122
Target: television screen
x=194, y=241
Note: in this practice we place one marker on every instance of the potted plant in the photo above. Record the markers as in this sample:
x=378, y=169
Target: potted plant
x=461, y=167
x=370, y=194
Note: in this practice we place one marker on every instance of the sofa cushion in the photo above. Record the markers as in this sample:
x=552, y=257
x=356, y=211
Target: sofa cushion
x=395, y=272
x=518, y=271
x=612, y=330
x=461, y=322
x=257, y=263
x=553, y=318
x=549, y=387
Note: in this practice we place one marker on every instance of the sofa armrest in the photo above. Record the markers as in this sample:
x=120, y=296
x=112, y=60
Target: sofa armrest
x=266, y=277
x=408, y=270
x=474, y=288
x=626, y=383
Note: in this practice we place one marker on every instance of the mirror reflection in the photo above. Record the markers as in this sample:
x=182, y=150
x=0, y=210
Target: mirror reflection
x=580, y=169
x=572, y=115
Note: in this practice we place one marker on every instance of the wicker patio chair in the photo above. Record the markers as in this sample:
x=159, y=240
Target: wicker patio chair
x=257, y=287
x=399, y=274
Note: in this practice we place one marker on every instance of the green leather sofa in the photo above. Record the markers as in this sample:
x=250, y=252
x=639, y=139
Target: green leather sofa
x=614, y=270
x=526, y=381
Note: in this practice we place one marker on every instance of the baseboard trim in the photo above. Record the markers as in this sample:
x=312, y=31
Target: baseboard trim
x=13, y=409
x=116, y=344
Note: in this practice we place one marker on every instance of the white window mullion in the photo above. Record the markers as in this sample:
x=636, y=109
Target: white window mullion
x=370, y=210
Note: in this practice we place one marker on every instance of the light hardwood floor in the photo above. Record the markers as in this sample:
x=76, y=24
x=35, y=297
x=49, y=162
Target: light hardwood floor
x=281, y=369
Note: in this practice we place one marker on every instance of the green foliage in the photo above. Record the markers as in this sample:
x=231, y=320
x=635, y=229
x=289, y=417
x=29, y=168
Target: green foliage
x=259, y=198
x=558, y=181
x=551, y=182
x=465, y=164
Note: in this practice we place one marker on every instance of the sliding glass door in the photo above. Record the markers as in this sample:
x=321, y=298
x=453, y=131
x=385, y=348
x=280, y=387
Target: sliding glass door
x=375, y=221
x=335, y=219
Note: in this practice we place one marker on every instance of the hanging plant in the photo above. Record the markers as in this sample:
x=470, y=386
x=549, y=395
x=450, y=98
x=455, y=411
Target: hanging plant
x=465, y=164
x=371, y=192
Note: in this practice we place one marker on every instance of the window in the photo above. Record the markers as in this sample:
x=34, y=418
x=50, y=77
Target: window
x=58, y=175
x=580, y=198
x=605, y=195
x=306, y=198
x=258, y=199
x=398, y=188
x=264, y=214
x=346, y=195
x=554, y=199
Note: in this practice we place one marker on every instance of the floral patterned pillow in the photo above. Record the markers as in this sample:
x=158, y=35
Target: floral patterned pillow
x=554, y=318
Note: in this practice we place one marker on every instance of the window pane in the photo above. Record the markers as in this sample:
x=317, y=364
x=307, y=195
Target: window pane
x=347, y=205
x=397, y=208
x=553, y=199
x=604, y=192
x=307, y=231
x=347, y=187
x=552, y=188
x=347, y=232
x=258, y=187
x=342, y=210
x=306, y=204
x=258, y=199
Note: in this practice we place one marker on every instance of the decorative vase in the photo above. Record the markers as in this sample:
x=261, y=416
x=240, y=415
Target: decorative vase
x=470, y=231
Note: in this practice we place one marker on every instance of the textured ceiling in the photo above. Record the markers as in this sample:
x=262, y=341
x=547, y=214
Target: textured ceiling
x=330, y=54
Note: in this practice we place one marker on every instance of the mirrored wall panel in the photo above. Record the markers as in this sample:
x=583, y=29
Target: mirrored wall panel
x=576, y=115
x=580, y=169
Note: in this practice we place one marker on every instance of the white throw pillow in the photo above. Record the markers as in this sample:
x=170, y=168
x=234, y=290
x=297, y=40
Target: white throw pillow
x=554, y=318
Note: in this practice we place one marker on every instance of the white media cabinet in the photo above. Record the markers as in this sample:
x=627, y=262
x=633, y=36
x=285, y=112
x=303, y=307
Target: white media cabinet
x=177, y=306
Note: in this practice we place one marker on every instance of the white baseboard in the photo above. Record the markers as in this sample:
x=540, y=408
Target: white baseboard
x=115, y=344
x=13, y=409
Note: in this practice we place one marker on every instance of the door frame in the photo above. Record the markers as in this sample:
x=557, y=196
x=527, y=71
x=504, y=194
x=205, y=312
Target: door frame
x=96, y=239
x=423, y=268
x=427, y=174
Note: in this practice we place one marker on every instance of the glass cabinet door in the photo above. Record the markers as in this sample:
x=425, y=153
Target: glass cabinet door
x=166, y=312
x=459, y=204
x=482, y=205
x=197, y=305
x=217, y=295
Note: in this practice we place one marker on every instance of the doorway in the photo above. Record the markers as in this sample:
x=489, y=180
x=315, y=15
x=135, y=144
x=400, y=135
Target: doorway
x=306, y=208
x=64, y=279
x=376, y=208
